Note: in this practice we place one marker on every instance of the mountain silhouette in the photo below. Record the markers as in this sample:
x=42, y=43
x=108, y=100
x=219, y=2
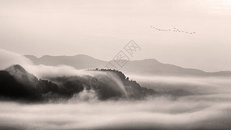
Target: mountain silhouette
x=77, y=61
x=22, y=76
x=141, y=67
x=18, y=84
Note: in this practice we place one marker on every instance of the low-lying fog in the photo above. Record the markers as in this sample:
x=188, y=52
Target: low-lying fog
x=194, y=85
x=206, y=105
x=178, y=103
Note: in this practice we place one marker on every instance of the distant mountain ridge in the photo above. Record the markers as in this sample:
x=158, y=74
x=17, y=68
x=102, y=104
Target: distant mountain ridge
x=77, y=61
x=143, y=67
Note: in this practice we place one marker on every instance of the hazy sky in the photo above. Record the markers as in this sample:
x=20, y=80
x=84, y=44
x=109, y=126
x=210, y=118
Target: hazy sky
x=102, y=28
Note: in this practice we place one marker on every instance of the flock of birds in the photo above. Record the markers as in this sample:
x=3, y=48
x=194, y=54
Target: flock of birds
x=172, y=30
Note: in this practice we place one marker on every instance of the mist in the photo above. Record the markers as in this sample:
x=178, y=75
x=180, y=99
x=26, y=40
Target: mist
x=195, y=84
x=177, y=102
x=208, y=106
x=118, y=64
x=8, y=58
x=152, y=113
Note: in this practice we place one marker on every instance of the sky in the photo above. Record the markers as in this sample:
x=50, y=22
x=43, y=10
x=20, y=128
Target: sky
x=102, y=28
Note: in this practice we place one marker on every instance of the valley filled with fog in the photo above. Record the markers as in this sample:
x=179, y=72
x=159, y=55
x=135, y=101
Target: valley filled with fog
x=179, y=104
x=115, y=65
x=63, y=97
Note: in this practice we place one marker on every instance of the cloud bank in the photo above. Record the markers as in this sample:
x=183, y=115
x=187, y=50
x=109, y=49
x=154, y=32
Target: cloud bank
x=178, y=103
x=8, y=58
x=158, y=113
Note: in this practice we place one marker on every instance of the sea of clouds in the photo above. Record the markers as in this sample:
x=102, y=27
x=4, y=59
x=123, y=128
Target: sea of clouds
x=206, y=104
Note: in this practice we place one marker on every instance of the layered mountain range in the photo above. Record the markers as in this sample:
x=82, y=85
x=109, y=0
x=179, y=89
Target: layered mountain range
x=141, y=67
x=18, y=84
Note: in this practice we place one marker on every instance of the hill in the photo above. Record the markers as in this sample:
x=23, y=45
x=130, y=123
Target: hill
x=17, y=84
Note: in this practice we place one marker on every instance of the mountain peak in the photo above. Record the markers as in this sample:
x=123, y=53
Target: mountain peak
x=15, y=69
x=151, y=60
x=21, y=74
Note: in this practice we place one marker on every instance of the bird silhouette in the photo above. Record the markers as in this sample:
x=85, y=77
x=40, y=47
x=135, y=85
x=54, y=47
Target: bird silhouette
x=173, y=30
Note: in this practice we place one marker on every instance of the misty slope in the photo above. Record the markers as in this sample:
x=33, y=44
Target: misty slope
x=142, y=67
x=17, y=84
x=128, y=88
